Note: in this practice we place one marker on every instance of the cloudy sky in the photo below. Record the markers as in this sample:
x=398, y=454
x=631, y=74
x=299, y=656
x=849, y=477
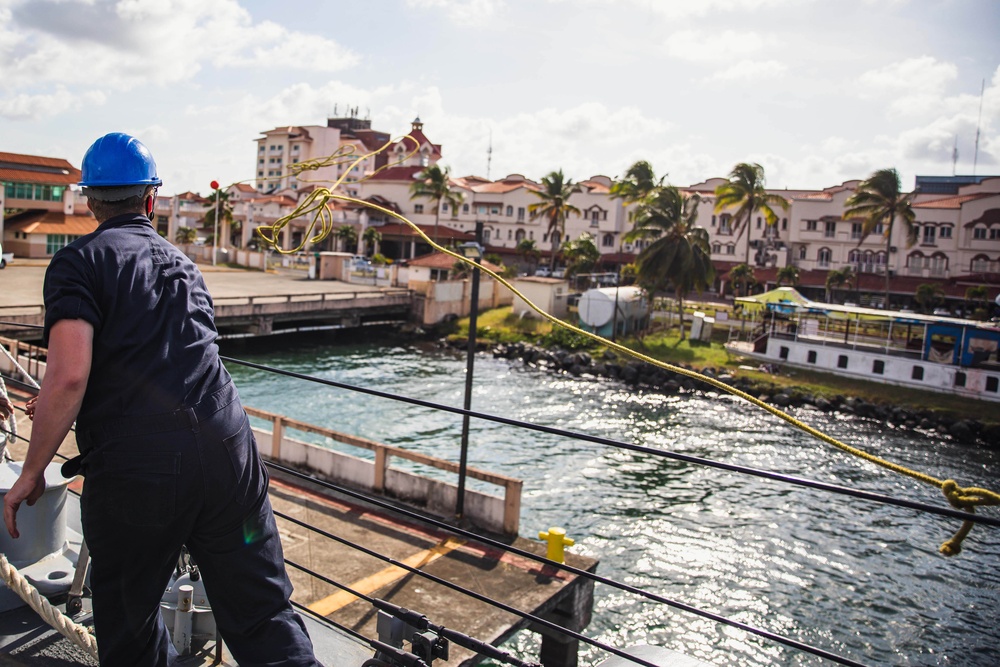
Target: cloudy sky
x=816, y=91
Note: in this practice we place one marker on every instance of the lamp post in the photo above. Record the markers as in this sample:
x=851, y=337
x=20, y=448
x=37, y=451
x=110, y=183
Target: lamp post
x=473, y=251
x=215, y=236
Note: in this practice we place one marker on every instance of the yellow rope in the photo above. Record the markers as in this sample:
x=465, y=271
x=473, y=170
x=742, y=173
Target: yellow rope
x=962, y=498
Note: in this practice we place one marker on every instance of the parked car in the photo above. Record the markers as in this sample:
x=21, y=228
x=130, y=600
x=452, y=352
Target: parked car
x=5, y=257
x=543, y=272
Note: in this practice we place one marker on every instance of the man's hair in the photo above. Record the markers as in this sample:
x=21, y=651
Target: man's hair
x=105, y=210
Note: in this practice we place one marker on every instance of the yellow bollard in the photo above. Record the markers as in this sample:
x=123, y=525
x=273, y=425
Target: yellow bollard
x=556, y=537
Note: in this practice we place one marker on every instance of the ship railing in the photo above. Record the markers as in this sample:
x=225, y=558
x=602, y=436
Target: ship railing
x=535, y=621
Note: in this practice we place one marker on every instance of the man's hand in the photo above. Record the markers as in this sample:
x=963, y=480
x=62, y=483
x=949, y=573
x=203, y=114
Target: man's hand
x=29, y=407
x=27, y=488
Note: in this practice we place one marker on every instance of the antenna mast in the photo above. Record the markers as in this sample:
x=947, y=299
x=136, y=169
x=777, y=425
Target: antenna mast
x=489, y=155
x=954, y=156
x=979, y=122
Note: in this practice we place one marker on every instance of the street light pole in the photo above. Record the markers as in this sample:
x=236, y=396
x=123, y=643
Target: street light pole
x=473, y=251
x=215, y=237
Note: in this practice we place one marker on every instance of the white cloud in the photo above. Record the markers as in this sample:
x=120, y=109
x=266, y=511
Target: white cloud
x=463, y=12
x=750, y=71
x=133, y=42
x=712, y=46
x=684, y=8
x=912, y=82
x=24, y=106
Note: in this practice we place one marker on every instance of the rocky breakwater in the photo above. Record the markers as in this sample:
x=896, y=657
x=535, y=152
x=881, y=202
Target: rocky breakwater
x=645, y=377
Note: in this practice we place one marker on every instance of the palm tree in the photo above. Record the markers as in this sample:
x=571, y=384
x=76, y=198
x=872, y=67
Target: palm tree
x=225, y=211
x=928, y=295
x=879, y=201
x=346, y=236
x=554, y=207
x=679, y=253
x=788, y=275
x=581, y=254
x=186, y=235
x=745, y=190
x=434, y=183
x=372, y=237
x=528, y=249
x=639, y=182
x=976, y=297
x=838, y=278
x=742, y=278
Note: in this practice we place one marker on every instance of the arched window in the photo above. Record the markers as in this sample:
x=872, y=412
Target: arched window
x=915, y=260
x=510, y=211
x=716, y=247
x=519, y=235
x=938, y=264
x=731, y=249
x=608, y=241
x=980, y=264
x=854, y=257
x=824, y=256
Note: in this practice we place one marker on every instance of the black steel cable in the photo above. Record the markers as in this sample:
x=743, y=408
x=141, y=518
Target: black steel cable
x=477, y=596
x=711, y=463
x=767, y=634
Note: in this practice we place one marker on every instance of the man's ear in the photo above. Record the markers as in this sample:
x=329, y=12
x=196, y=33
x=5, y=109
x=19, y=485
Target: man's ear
x=91, y=208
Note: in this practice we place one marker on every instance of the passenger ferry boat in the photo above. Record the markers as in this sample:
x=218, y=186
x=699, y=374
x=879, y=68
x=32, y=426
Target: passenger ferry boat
x=942, y=354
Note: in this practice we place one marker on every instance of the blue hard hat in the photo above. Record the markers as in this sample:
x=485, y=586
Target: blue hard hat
x=118, y=160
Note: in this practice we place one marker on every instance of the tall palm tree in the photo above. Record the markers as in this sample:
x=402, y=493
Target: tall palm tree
x=879, y=200
x=788, y=275
x=838, y=278
x=639, y=182
x=745, y=190
x=742, y=278
x=928, y=295
x=528, y=249
x=679, y=253
x=434, y=183
x=225, y=211
x=372, y=237
x=346, y=236
x=581, y=254
x=554, y=207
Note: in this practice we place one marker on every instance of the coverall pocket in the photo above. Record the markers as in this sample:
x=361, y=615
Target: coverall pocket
x=242, y=449
x=137, y=488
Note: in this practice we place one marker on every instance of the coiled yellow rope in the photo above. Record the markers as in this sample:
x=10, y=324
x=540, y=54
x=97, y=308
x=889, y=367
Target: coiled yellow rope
x=965, y=498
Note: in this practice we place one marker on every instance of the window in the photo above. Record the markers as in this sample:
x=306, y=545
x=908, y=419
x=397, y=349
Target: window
x=945, y=232
x=980, y=263
x=519, y=235
x=854, y=257
x=802, y=252
x=918, y=373
x=608, y=241
x=783, y=352
x=878, y=367
x=758, y=222
x=295, y=148
x=824, y=256
x=510, y=234
x=486, y=236
x=418, y=208
x=784, y=224
x=56, y=242
x=520, y=214
x=811, y=357
x=444, y=207
x=595, y=216
x=260, y=149
x=979, y=233
x=494, y=210
x=481, y=210
x=716, y=248
x=713, y=221
x=842, y=361
x=724, y=224
x=995, y=233
x=465, y=208
x=260, y=161
x=959, y=379
x=811, y=225
x=929, y=233
x=991, y=383
x=731, y=249
x=830, y=229
x=510, y=211
x=856, y=231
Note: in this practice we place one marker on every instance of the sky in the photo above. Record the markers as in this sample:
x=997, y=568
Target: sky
x=817, y=92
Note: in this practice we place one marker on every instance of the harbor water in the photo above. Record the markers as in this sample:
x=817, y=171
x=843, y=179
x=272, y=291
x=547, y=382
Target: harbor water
x=859, y=579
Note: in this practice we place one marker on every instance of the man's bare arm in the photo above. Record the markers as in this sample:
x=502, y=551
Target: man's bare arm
x=67, y=371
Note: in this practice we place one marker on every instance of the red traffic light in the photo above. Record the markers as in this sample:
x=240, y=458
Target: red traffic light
x=215, y=185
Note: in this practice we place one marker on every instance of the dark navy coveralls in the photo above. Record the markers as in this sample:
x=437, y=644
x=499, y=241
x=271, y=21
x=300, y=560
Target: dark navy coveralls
x=170, y=457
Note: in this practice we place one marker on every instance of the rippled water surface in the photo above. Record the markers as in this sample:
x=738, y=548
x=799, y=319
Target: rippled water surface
x=861, y=580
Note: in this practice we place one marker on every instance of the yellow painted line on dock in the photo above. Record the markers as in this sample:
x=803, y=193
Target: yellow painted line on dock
x=389, y=575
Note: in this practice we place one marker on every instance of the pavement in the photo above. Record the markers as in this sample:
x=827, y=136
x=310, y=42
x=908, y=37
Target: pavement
x=21, y=283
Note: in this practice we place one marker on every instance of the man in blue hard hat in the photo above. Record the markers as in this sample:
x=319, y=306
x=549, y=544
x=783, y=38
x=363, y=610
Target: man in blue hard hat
x=166, y=448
